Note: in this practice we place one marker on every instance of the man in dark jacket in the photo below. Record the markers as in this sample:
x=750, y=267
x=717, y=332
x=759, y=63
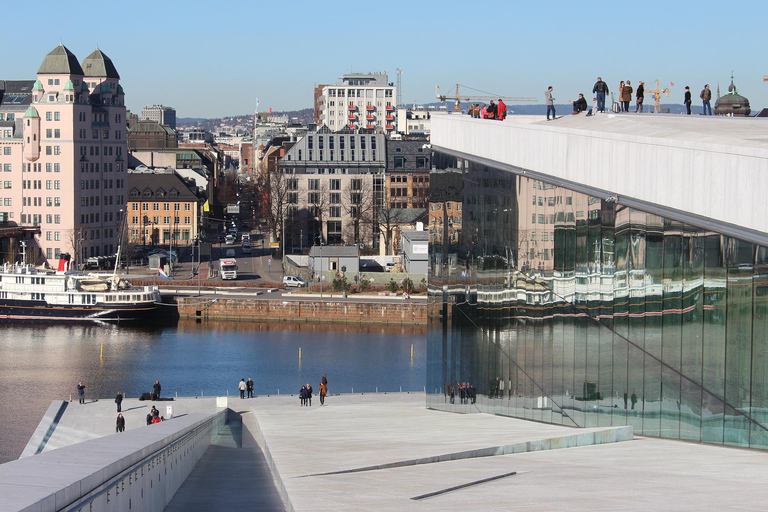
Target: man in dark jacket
x=156, y=388
x=601, y=89
x=687, y=100
x=249, y=387
x=119, y=401
x=580, y=105
x=81, y=391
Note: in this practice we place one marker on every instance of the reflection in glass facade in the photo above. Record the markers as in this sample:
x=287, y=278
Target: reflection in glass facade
x=551, y=305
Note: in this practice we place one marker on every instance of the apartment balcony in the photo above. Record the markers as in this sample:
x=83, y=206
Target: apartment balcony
x=369, y=117
x=370, y=108
x=370, y=126
x=352, y=107
x=352, y=117
x=352, y=126
x=390, y=117
x=390, y=108
x=389, y=127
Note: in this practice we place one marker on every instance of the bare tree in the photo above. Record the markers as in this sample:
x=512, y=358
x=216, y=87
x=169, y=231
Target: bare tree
x=276, y=190
x=318, y=201
x=75, y=239
x=388, y=225
x=357, y=203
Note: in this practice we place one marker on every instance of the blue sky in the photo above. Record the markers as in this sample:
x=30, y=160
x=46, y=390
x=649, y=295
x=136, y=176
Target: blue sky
x=212, y=59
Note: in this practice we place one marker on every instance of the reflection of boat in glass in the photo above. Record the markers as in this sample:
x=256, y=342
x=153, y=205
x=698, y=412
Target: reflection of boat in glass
x=29, y=294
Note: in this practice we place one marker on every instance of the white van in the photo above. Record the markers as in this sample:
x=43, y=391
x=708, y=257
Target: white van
x=230, y=240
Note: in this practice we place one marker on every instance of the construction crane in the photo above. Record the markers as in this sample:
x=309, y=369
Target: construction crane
x=459, y=98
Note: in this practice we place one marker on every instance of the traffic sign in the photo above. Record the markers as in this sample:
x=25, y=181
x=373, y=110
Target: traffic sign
x=269, y=262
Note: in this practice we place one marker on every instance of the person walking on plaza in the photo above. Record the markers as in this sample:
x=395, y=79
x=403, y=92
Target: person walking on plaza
x=687, y=100
x=550, y=101
x=249, y=387
x=81, y=391
x=706, y=96
x=303, y=395
x=323, y=391
x=491, y=110
x=242, y=386
x=309, y=394
x=120, y=424
x=501, y=108
x=639, y=97
x=601, y=89
x=156, y=389
x=621, y=96
x=119, y=401
x=626, y=96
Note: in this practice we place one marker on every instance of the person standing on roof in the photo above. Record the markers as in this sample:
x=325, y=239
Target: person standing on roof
x=550, y=101
x=601, y=89
x=639, y=97
x=501, y=108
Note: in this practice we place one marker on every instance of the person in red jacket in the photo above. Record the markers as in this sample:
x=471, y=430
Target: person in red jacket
x=501, y=110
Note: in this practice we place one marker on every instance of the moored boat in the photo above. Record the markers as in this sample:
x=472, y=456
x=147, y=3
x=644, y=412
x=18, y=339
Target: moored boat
x=30, y=294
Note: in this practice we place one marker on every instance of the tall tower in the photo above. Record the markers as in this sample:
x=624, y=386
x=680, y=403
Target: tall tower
x=399, y=87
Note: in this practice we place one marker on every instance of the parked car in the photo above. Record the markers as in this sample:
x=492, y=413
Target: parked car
x=294, y=281
x=390, y=266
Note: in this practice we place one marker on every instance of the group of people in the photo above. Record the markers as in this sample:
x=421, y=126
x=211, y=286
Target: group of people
x=467, y=393
x=244, y=386
x=305, y=393
x=626, y=92
x=154, y=416
x=490, y=111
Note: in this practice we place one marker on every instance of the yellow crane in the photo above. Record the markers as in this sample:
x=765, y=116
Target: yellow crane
x=458, y=98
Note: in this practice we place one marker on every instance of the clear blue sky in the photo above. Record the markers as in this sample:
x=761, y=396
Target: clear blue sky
x=211, y=59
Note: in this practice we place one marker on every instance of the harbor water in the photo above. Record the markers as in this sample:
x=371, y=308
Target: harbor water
x=40, y=364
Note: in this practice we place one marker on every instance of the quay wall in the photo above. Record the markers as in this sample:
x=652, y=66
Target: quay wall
x=302, y=311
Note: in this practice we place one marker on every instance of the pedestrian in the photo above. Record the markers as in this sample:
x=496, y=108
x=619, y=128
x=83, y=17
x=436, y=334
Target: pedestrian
x=149, y=418
x=706, y=95
x=303, y=395
x=309, y=394
x=81, y=391
x=484, y=111
x=156, y=419
x=687, y=100
x=241, y=386
x=550, y=101
x=324, y=380
x=156, y=389
x=119, y=401
x=626, y=96
x=639, y=97
x=249, y=387
x=601, y=89
x=621, y=96
x=501, y=108
x=634, y=399
x=323, y=392
x=491, y=111
x=595, y=109
x=120, y=424
x=580, y=105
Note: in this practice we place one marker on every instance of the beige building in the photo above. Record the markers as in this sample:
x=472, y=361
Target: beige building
x=62, y=153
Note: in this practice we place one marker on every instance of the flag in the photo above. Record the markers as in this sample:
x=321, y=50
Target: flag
x=437, y=86
x=671, y=84
x=162, y=275
x=206, y=206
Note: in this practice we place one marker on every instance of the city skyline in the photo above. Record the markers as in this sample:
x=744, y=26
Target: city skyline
x=219, y=63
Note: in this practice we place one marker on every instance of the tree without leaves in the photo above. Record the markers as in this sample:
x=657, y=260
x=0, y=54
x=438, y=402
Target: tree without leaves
x=357, y=202
x=389, y=222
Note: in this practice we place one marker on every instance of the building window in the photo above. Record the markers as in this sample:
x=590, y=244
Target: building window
x=399, y=162
x=335, y=184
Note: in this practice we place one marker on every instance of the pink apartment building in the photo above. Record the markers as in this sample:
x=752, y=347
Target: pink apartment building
x=62, y=157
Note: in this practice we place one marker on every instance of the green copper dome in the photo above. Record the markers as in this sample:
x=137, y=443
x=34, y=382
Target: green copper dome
x=38, y=86
x=69, y=86
x=31, y=112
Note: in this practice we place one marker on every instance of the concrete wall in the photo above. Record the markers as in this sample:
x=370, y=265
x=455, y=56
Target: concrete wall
x=301, y=311
x=715, y=168
x=139, y=469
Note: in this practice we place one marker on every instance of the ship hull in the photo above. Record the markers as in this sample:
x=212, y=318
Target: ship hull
x=29, y=311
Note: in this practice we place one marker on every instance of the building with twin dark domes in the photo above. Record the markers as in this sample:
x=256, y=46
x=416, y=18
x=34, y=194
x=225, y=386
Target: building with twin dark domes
x=732, y=103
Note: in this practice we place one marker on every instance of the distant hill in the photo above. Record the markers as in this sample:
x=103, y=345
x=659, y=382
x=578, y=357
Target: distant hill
x=305, y=115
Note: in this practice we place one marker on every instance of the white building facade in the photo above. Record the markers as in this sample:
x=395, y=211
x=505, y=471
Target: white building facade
x=360, y=100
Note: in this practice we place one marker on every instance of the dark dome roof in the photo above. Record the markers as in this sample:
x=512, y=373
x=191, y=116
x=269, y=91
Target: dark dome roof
x=732, y=103
x=60, y=61
x=97, y=64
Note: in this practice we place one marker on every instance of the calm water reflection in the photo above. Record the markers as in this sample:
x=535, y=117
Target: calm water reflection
x=39, y=364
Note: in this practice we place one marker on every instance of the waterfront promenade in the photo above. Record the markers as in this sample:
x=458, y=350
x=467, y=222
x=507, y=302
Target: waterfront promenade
x=388, y=452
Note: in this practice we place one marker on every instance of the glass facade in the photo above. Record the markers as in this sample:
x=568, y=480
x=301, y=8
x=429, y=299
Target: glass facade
x=551, y=305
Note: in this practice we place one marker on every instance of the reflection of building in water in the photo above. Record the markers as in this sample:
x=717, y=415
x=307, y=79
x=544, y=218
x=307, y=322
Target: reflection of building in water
x=575, y=306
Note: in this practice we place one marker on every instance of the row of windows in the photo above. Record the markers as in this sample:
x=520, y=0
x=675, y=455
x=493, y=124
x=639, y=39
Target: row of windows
x=7, y=117
x=156, y=207
x=156, y=220
x=94, y=150
x=94, y=167
x=94, y=184
x=38, y=201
